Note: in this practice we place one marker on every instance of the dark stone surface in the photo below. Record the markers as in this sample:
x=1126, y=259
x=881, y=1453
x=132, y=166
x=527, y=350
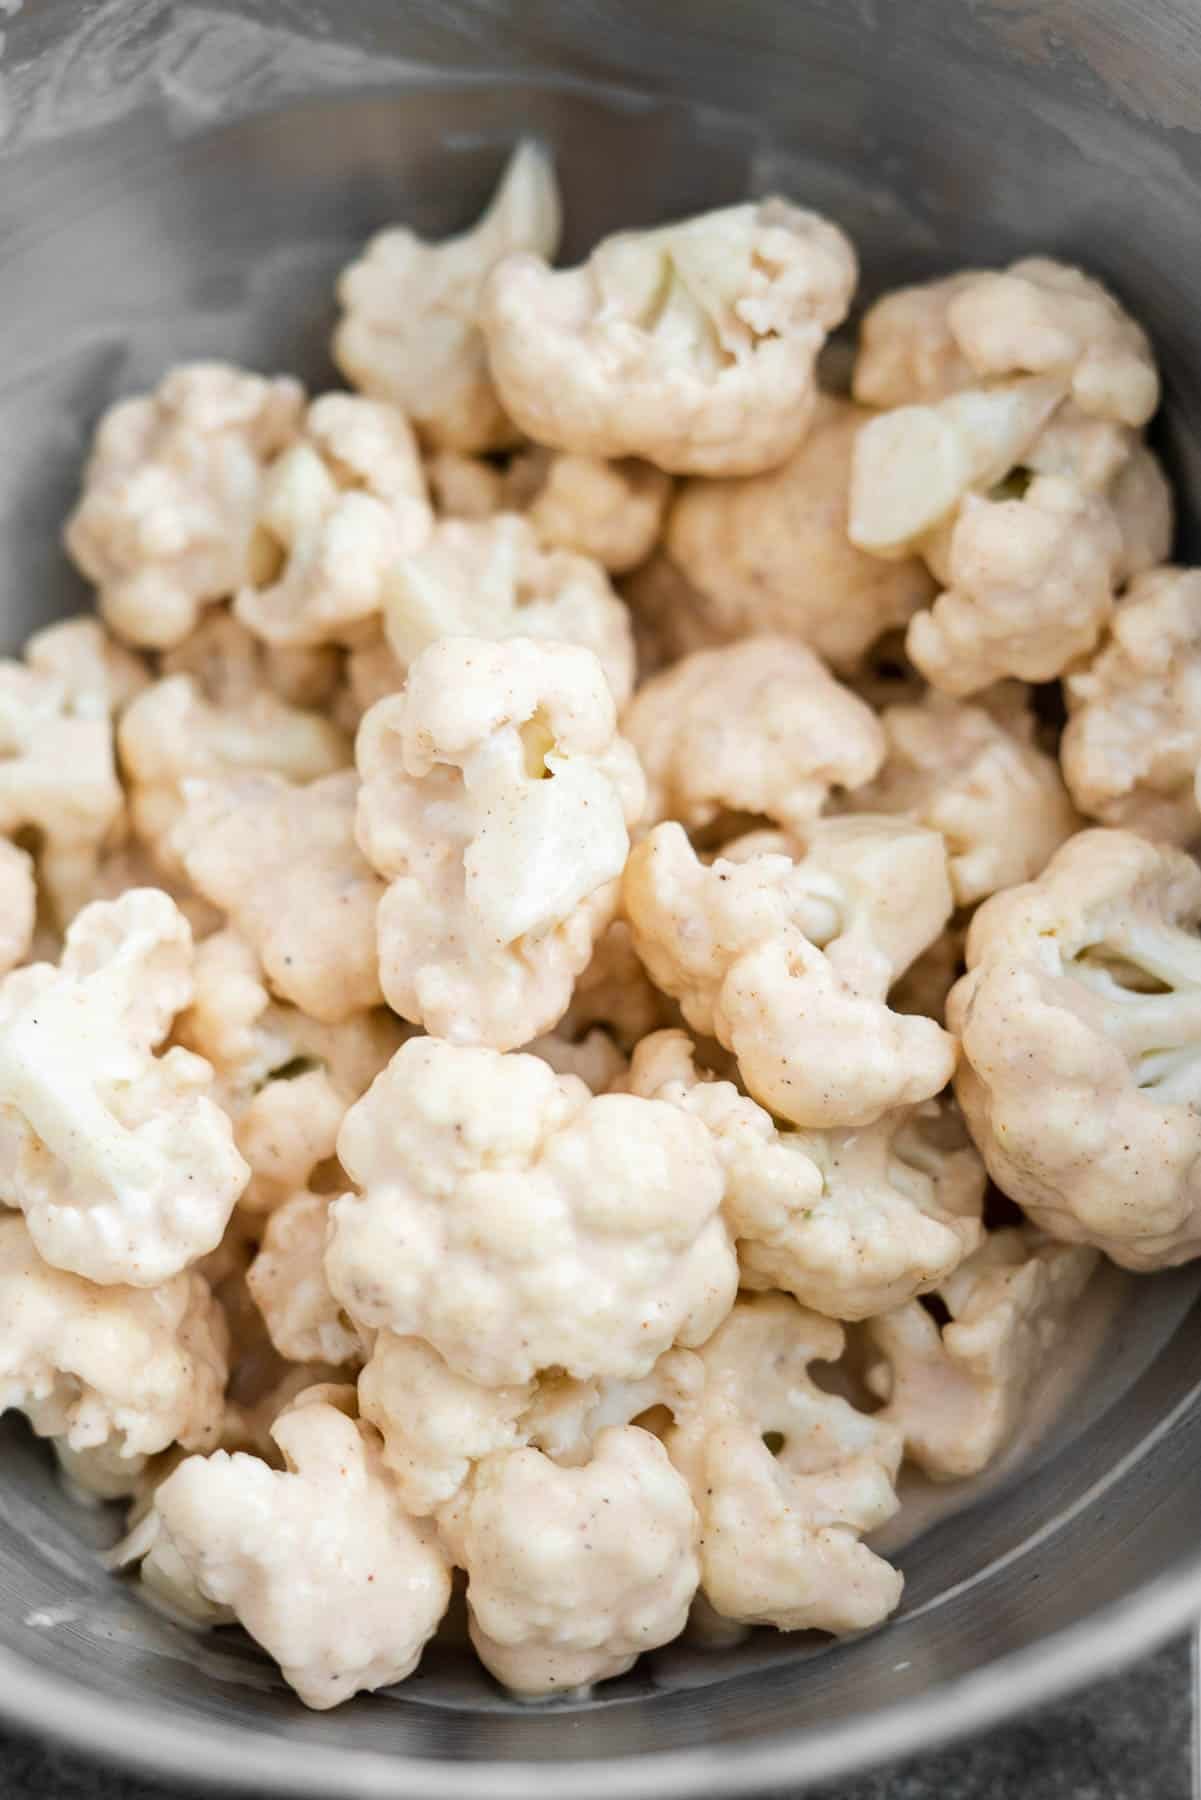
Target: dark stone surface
x=1128, y=1739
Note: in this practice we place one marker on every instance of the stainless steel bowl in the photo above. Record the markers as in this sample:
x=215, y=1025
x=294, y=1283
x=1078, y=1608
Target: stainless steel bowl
x=182, y=179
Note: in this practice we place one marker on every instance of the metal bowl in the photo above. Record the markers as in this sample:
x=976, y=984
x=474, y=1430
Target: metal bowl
x=183, y=179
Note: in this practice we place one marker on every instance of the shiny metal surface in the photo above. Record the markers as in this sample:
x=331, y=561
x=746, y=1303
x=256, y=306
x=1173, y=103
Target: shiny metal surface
x=182, y=179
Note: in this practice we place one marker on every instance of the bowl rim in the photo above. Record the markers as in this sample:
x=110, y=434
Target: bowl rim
x=140, y=1740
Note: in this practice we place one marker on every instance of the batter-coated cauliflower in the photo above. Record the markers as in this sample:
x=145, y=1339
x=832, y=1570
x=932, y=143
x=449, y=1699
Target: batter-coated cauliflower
x=491, y=578
x=572, y=1573
x=410, y=326
x=770, y=552
x=1032, y=586
x=956, y=1393
x=125, y=1169
x=18, y=905
x=912, y=468
x=97, y=675
x=787, y=958
x=172, y=733
x=58, y=778
x=320, y=1562
x=435, y=1423
x=516, y=1223
x=497, y=799
x=787, y=1477
x=287, y=1279
x=231, y=666
x=336, y=510
x=282, y=861
x=1038, y=317
x=1133, y=741
x=165, y=523
x=285, y=1079
x=1142, y=502
x=999, y=802
x=610, y=511
x=758, y=727
x=465, y=487
x=692, y=346
x=565, y=1417
x=595, y=1058
x=1080, y=1017
x=130, y=1369
x=849, y=1222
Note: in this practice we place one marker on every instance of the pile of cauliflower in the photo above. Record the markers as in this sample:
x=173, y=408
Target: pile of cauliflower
x=539, y=905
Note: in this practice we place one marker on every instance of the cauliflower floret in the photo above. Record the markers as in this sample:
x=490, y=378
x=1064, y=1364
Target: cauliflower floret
x=786, y=1477
x=615, y=993
x=787, y=959
x=1031, y=587
x=465, y=487
x=18, y=905
x=58, y=778
x=912, y=468
x=286, y=1080
x=1037, y=317
x=771, y=553
x=170, y=493
x=231, y=666
x=1133, y=741
x=336, y=510
x=410, y=326
x=572, y=1573
x=97, y=675
x=124, y=1167
x=610, y=511
x=287, y=1280
x=120, y=1369
x=565, y=1417
x=491, y=578
x=849, y=1222
x=320, y=1562
x=998, y=802
x=692, y=346
x=957, y=1393
x=1080, y=1017
x=435, y=1423
x=497, y=799
x=282, y=861
x=759, y=727
x=595, y=1058
x=171, y=734
x=1143, y=504
x=516, y=1223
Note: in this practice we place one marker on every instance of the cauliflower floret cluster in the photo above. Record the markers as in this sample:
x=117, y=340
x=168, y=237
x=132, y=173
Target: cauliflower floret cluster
x=552, y=953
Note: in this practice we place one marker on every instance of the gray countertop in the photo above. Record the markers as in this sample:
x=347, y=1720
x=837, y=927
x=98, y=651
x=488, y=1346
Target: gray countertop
x=1128, y=1739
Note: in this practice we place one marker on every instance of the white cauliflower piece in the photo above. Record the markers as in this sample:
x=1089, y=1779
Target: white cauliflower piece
x=336, y=510
x=1080, y=1018
x=851, y=1223
x=1038, y=317
x=231, y=666
x=124, y=1167
x=464, y=486
x=999, y=802
x=97, y=675
x=787, y=959
x=770, y=552
x=123, y=1370
x=786, y=1477
x=282, y=861
x=758, y=727
x=595, y=1058
x=692, y=346
x=1133, y=740
x=516, y=1223
x=171, y=733
x=565, y=1417
x=18, y=905
x=1031, y=587
x=670, y=616
x=435, y=1423
x=490, y=578
x=170, y=493
x=957, y=1393
x=58, y=778
x=287, y=1280
x=610, y=511
x=410, y=327
x=572, y=1573
x=912, y=468
x=1144, y=506
x=615, y=993
x=320, y=1562
x=497, y=799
